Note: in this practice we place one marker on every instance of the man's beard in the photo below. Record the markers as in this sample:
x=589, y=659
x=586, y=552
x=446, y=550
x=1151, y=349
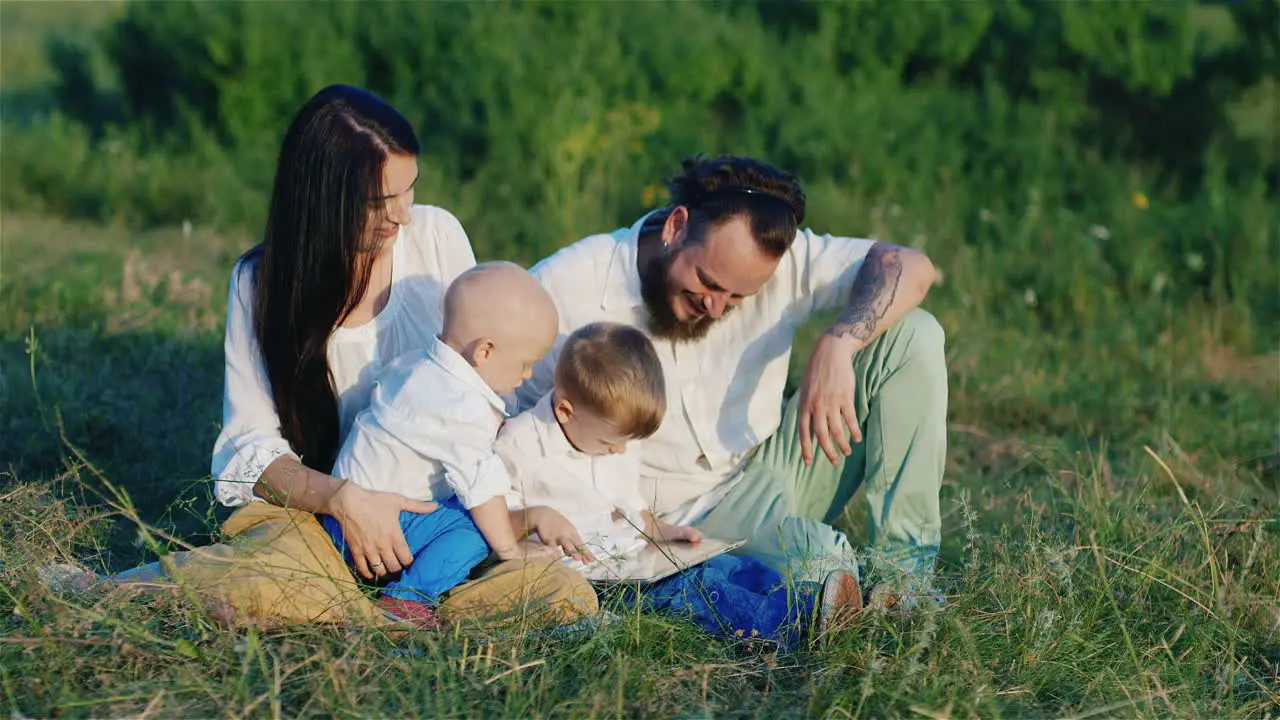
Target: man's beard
x=655, y=289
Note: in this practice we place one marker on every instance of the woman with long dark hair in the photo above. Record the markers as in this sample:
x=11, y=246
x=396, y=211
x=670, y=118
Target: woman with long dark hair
x=350, y=274
x=310, y=313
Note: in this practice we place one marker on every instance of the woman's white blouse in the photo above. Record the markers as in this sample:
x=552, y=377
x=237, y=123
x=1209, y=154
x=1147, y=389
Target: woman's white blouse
x=428, y=254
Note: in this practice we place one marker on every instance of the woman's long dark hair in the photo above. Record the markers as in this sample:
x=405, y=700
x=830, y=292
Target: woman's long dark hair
x=314, y=262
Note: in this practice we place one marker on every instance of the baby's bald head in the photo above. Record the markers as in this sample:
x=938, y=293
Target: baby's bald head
x=501, y=320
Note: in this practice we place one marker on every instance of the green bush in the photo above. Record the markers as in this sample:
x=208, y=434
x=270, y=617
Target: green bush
x=545, y=121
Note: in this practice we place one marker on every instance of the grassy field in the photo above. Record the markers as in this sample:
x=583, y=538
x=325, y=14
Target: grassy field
x=1111, y=502
x=1098, y=560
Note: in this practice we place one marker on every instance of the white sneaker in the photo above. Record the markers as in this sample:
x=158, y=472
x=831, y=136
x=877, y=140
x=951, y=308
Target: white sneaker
x=840, y=603
x=67, y=578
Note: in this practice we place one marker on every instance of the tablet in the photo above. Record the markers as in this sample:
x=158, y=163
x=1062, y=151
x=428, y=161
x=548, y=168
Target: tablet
x=653, y=561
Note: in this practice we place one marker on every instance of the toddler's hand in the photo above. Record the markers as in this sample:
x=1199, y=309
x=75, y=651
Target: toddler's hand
x=557, y=532
x=527, y=549
x=533, y=548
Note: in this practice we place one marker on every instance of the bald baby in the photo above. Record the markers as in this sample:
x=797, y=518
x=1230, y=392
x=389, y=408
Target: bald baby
x=501, y=320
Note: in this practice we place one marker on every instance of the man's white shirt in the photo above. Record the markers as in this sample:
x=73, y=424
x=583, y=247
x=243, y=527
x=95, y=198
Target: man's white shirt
x=725, y=391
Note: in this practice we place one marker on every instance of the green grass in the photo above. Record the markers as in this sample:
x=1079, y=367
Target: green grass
x=1112, y=496
x=1084, y=576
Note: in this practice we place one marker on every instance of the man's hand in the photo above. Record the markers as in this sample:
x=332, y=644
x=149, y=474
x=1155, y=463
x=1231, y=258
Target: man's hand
x=826, y=400
x=663, y=531
x=667, y=531
x=370, y=523
x=891, y=281
x=556, y=531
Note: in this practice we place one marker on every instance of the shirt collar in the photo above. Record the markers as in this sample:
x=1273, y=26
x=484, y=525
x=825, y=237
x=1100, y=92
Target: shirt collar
x=622, y=279
x=457, y=366
x=550, y=434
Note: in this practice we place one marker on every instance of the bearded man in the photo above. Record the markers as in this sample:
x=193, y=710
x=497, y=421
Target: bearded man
x=721, y=280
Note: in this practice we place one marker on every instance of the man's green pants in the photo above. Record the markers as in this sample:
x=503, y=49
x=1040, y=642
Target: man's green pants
x=786, y=508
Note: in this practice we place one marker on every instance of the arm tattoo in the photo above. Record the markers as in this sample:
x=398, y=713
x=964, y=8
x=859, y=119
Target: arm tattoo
x=873, y=291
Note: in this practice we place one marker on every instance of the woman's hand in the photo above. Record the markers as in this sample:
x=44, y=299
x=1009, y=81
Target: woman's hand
x=370, y=523
x=370, y=520
x=556, y=531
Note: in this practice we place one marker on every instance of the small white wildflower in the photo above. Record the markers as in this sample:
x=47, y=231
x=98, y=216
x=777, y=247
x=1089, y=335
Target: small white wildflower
x=986, y=216
x=1056, y=560
x=1158, y=283
x=186, y=229
x=1195, y=261
x=869, y=678
x=1044, y=625
x=969, y=519
x=1253, y=547
x=1100, y=232
x=877, y=665
x=1029, y=296
x=1073, y=625
x=895, y=210
x=912, y=667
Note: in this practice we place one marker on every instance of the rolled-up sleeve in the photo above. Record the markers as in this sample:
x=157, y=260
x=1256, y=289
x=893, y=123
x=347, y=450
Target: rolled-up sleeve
x=479, y=481
x=250, y=439
x=827, y=266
